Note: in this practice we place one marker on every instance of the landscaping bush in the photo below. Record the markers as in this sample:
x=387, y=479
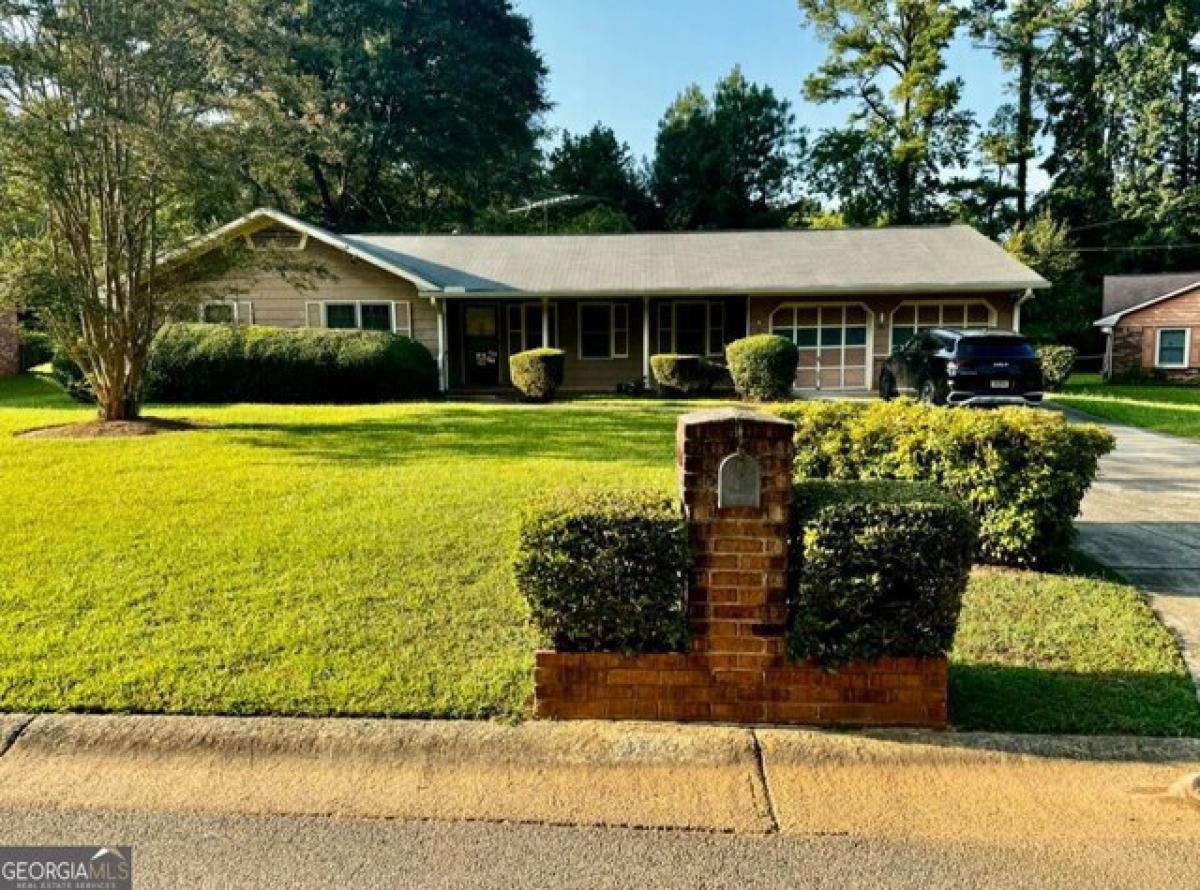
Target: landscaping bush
x=36, y=348
x=1021, y=472
x=1057, y=363
x=763, y=367
x=71, y=377
x=537, y=373
x=684, y=375
x=879, y=570
x=228, y=363
x=607, y=572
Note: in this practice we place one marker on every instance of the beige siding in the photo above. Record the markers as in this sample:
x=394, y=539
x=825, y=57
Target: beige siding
x=276, y=301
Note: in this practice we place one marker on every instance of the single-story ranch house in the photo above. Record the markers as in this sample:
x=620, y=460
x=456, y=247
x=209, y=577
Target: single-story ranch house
x=1153, y=325
x=845, y=297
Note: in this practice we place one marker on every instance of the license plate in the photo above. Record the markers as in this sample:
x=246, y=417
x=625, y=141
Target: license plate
x=1001, y=384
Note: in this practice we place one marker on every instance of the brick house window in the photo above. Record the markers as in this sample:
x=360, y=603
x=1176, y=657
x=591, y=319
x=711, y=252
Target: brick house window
x=1171, y=350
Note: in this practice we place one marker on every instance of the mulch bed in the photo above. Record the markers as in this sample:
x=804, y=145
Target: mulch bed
x=111, y=429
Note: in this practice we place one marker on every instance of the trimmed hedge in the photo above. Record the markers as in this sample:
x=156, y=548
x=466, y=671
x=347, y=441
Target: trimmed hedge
x=763, y=367
x=684, y=375
x=231, y=363
x=1022, y=473
x=879, y=571
x=36, y=348
x=537, y=373
x=607, y=572
x=1057, y=363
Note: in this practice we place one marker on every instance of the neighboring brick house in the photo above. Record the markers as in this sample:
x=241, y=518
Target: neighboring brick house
x=1153, y=325
x=10, y=345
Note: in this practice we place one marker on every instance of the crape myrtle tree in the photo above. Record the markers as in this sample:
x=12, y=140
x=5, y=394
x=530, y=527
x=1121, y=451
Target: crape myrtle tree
x=108, y=105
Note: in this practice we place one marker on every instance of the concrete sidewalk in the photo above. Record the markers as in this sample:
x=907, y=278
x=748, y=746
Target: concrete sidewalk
x=882, y=785
x=1142, y=519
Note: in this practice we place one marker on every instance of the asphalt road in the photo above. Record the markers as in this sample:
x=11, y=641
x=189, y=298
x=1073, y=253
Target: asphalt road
x=274, y=851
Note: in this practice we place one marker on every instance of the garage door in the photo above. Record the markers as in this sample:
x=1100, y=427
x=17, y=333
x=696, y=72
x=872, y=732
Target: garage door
x=833, y=342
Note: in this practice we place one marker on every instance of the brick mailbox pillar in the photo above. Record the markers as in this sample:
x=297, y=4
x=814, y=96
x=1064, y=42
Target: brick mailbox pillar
x=735, y=473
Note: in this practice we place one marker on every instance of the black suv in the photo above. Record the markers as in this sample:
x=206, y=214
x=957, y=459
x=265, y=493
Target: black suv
x=947, y=366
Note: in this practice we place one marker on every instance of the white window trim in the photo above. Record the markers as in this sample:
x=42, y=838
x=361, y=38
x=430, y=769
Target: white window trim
x=236, y=305
x=672, y=327
x=552, y=308
x=993, y=315
x=396, y=310
x=612, y=331
x=1187, y=348
x=868, y=367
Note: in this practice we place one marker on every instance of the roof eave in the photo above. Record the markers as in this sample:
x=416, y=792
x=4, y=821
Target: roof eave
x=916, y=288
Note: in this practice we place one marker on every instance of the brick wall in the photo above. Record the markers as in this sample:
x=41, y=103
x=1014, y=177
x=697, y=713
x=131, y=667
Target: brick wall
x=1135, y=336
x=738, y=668
x=10, y=345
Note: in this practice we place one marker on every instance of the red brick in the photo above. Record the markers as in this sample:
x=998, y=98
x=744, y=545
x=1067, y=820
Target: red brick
x=684, y=710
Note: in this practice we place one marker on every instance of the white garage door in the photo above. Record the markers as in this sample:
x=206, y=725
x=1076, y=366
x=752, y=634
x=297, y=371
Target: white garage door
x=834, y=343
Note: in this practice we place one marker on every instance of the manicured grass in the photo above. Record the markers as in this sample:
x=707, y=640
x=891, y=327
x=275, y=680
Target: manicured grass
x=1066, y=654
x=356, y=560
x=1163, y=407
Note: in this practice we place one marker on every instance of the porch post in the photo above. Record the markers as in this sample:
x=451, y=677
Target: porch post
x=646, y=339
x=545, y=322
x=442, y=364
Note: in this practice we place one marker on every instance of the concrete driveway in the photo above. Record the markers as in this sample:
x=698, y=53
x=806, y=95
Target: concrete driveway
x=1142, y=518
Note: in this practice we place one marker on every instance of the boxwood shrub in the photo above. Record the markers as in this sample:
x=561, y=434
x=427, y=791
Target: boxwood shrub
x=36, y=348
x=1023, y=473
x=231, y=363
x=684, y=375
x=1057, y=363
x=606, y=572
x=763, y=367
x=537, y=373
x=879, y=569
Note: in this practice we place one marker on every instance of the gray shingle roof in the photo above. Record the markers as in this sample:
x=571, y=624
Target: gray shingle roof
x=917, y=259
x=1123, y=292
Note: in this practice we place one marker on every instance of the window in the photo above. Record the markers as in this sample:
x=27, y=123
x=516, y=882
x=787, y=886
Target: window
x=691, y=328
x=219, y=313
x=366, y=316
x=603, y=330
x=1172, y=348
x=909, y=318
x=525, y=326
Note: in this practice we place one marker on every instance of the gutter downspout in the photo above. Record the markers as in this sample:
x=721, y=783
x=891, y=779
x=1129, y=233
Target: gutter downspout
x=1025, y=297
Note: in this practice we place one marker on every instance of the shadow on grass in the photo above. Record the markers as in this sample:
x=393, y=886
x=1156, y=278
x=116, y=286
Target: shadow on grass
x=632, y=436
x=1008, y=698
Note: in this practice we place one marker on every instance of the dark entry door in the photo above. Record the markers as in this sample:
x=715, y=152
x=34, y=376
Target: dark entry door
x=481, y=344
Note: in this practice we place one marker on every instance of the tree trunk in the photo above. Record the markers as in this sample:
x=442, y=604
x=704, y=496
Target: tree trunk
x=1185, y=122
x=1024, y=129
x=115, y=406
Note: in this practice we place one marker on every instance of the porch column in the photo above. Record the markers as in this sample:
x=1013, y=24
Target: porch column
x=545, y=322
x=442, y=364
x=646, y=339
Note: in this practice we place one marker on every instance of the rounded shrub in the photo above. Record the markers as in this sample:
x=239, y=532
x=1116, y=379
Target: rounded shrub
x=537, y=373
x=763, y=367
x=607, y=572
x=230, y=363
x=1057, y=364
x=36, y=348
x=1022, y=473
x=879, y=570
x=684, y=375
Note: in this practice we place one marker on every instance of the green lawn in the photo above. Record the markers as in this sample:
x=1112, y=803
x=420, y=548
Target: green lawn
x=328, y=560
x=1164, y=407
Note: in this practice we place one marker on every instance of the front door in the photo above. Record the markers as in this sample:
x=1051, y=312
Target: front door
x=481, y=345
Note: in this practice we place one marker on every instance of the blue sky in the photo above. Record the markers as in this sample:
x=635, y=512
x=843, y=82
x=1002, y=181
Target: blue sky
x=623, y=61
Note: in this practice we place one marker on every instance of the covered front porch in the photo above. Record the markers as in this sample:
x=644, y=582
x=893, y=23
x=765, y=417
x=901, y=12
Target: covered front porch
x=608, y=341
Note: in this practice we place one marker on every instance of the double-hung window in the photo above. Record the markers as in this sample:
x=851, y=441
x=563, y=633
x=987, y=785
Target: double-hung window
x=362, y=316
x=603, y=330
x=691, y=328
x=1171, y=349
x=525, y=327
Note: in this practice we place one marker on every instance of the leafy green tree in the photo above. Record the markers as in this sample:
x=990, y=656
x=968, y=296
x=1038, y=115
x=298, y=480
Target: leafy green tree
x=888, y=58
x=1064, y=313
x=728, y=161
x=598, y=165
x=109, y=104
x=393, y=114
